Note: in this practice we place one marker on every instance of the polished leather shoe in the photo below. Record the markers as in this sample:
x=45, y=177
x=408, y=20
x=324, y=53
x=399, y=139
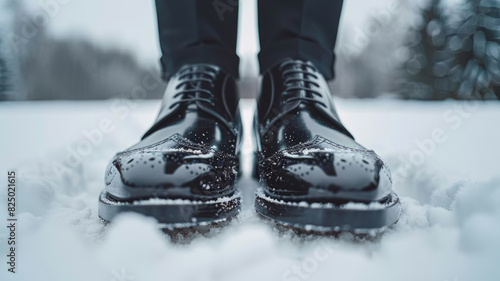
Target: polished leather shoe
x=312, y=171
x=183, y=171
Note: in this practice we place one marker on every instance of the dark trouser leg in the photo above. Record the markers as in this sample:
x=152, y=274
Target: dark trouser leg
x=299, y=29
x=198, y=31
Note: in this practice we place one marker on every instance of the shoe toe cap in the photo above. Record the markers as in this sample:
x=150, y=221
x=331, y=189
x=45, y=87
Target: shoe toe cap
x=328, y=172
x=170, y=172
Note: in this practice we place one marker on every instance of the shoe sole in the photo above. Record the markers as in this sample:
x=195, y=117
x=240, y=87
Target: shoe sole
x=320, y=217
x=173, y=213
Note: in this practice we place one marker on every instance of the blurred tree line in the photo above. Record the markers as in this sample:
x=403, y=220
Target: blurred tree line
x=4, y=73
x=41, y=67
x=454, y=53
x=446, y=51
x=5, y=83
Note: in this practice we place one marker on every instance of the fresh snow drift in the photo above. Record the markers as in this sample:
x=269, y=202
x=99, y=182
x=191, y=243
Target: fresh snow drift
x=443, y=156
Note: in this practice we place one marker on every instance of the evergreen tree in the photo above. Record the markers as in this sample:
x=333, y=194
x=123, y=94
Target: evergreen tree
x=430, y=63
x=477, y=50
x=4, y=78
x=455, y=55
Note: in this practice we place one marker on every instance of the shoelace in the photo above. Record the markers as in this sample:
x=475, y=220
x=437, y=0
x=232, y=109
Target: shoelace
x=300, y=73
x=197, y=80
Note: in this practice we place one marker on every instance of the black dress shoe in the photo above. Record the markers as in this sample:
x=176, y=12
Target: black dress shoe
x=313, y=173
x=183, y=171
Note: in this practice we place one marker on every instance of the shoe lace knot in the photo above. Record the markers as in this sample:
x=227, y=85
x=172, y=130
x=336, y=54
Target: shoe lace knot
x=299, y=80
x=195, y=84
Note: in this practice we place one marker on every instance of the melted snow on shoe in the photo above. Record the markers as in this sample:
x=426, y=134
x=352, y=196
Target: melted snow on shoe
x=312, y=171
x=183, y=172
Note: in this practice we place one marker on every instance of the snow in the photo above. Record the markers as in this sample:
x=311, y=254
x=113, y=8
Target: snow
x=443, y=156
x=348, y=206
x=449, y=229
x=159, y=201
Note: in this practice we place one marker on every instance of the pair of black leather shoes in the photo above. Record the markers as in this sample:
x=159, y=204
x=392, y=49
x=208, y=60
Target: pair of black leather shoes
x=312, y=173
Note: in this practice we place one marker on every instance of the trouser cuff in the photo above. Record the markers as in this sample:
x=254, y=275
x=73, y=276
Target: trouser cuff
x=298, y=49
x=226, y=60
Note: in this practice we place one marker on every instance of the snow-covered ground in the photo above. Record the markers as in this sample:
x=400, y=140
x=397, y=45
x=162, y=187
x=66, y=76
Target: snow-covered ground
x=444, y=157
